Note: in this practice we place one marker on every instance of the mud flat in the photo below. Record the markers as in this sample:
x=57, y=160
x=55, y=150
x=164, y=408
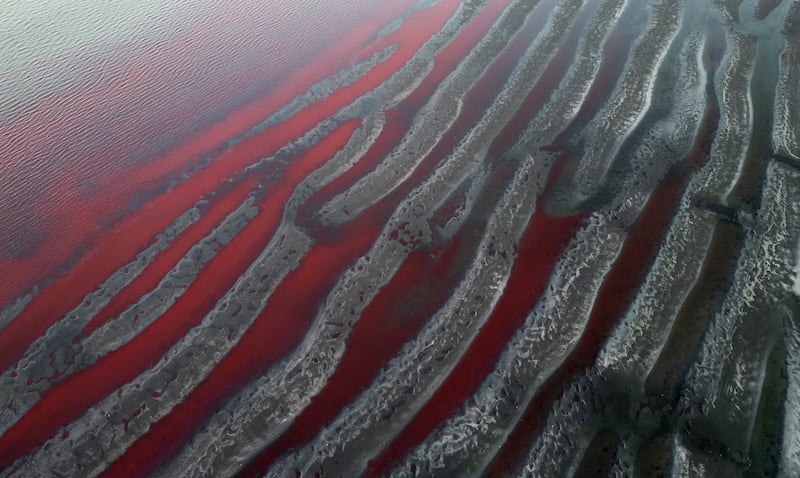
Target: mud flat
x=574, y=88
x=154, y=393
x=565, y=429
x=763, y=8
x=628, y=356
x=11, y=311
x=785, y=135
x=790, y=453
x=732, y=86
x=354, y=293
x=544, y=238
x=633, y=348
x=635, y=342
x=728, y=9
x=360, y=428
x=47, y=357
x=606, y=133
x=38, y=364
x=726, y=385
x=315, y=94
x=432, y=122
x=466, y=444
x=35, y=364
x=268, y=265
x=326, y=341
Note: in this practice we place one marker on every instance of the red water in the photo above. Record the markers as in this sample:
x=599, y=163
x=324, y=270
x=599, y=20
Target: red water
x=98, y=167
x=67, y=220
x=68, y=399
x=538, y=252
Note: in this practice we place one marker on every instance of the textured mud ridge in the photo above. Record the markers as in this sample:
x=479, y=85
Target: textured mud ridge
x=453, y=238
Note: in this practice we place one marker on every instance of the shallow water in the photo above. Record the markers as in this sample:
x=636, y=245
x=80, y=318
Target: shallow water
x=414, y=238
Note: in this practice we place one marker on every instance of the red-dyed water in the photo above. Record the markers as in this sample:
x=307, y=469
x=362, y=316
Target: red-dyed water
x=210, y=104
x=67, y=401
x=60, y=137
x=538, y=253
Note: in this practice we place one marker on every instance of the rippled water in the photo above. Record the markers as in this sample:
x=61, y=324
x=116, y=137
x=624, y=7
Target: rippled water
x=408, y=238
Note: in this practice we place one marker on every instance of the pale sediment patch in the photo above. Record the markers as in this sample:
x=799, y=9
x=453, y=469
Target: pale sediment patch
x=475, y=183
x=321, y=90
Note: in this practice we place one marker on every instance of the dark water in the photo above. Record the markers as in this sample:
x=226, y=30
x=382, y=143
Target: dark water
x=408, y=238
